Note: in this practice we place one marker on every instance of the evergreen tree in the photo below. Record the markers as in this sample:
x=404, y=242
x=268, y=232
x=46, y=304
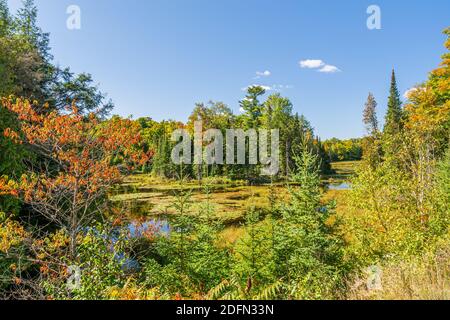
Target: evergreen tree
x=370, y=115
x=209, y=263
x=371, y=148
x=394, y=113
x=27, y=70
x=252, y=107
x=26, y=24
x=5, y=18
x=255, y=262
x=11, y=157
x=28, y=67
x=307, y=250
x=68, y=87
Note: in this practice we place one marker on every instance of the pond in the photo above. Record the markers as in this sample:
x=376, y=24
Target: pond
x=138, y=230
x=230, y=203
x=339, y=186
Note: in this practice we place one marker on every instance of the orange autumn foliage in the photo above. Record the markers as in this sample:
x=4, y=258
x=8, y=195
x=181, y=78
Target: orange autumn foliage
x=79, y=159
x=81, y=146
x=429, y=105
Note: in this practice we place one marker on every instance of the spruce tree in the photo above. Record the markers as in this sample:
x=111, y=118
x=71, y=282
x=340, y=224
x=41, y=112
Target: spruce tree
x=35, y=72
x=307, y=248
x=27, y=26
x=394, y=113
x=5, y=18
x=370, y=115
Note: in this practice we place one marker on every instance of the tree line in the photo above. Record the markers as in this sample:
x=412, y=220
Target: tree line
x=276, y=112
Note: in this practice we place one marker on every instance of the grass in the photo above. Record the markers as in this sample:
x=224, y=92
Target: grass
x=344, y=167
x=426, y=277
x=343, y=170
x=230, y=202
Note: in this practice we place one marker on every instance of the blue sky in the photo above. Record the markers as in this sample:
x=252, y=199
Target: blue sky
x=159, y=57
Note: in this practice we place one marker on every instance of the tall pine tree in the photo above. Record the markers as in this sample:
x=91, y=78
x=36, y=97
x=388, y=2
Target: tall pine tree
x=394, y=114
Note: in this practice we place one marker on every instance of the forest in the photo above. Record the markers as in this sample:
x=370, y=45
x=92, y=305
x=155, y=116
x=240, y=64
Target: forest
x=93, y=208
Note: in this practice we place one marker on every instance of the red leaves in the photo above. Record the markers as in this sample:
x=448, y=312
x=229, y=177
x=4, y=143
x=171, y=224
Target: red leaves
x=88, y=152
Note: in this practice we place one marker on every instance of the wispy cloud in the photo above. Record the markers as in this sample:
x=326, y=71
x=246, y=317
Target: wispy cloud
x=329, y=69
x=267, y=88
x=320, y=65
x=266, y=73
x=281, y=87
x=274, y=87
x=261, y=74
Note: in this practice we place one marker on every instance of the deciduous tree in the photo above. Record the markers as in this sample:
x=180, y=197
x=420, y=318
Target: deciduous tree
x=81, y=159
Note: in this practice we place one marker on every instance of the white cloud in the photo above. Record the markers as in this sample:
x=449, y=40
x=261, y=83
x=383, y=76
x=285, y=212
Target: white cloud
x=266, y=73
x=318, y=64
x=329, y=69
x=311, y=64
x=280, y=87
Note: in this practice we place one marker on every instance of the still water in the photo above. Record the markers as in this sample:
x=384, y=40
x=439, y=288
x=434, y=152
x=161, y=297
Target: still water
x=338, y=186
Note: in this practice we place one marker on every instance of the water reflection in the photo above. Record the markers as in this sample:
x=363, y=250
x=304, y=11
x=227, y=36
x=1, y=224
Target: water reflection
x=339, y=186
x=158, y=226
